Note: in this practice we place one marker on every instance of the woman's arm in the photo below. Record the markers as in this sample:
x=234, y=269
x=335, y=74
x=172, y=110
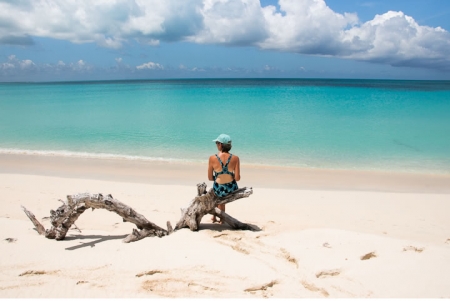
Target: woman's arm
x=210, y=169
x=237, y=170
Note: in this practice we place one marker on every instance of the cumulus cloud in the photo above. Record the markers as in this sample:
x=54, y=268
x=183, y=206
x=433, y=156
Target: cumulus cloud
x=18, y=69
x=107, y=23
x=305, y=26
x=150, y=65
x=397, y=39
x=301, y=26
x=14, y=63
x=311, y=27
x=236, y=22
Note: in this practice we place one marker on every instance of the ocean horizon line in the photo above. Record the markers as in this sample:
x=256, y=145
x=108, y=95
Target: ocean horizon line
x=169, y=79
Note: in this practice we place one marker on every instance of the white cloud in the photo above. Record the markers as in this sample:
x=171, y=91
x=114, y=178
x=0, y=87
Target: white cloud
x=6, y=66
x=302, y=26
x=114, y=43
x=398, y=39
x=26, y=64
x=311, y=27
x=305, y=26
x=80, y=66
x=231, y=22
x=150, y=65
x=14, y=63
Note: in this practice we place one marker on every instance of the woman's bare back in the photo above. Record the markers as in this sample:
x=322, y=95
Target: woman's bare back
x=233, y=167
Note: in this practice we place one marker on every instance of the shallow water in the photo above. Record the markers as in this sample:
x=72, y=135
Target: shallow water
x=338, y=124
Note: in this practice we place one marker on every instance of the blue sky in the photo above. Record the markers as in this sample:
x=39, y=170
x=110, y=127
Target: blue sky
x=136, y=39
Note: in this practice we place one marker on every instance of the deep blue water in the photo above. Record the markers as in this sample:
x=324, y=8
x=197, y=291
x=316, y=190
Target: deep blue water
x=339, y=124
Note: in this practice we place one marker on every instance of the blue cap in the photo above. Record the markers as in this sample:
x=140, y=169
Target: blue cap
x=223, y=138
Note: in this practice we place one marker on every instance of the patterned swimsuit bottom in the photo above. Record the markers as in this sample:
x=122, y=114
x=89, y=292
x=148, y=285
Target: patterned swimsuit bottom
x=222, y=190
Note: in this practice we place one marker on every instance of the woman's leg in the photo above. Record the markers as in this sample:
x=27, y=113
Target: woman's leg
x=221, y=207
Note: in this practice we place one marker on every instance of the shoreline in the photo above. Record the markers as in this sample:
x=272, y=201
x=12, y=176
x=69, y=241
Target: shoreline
x=191, y=173
x=138, y=158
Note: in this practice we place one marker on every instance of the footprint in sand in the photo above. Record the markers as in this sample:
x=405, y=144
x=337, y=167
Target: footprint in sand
x=326, y=245
x=286, y=255
x=232, y=240
x=82, y=282
x=219, y=235
x=173, y=283
x=261, y=287
x=175, y=287
x=10, y=240
x=311, y=287
x=412, y=248
x=32, y=272
x=229, y=236
x=240, y=249
x=199, y=288
x=261, y=236
x=149, y=273
x=368, y=256
x=328, y=273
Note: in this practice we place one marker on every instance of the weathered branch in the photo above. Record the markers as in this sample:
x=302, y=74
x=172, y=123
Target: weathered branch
x=40, y=229
x=234, y=223
x=206, y=203
x=66, y=215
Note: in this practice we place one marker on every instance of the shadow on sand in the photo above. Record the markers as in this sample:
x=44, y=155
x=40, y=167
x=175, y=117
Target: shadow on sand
x=219, y=228
x=100, y=238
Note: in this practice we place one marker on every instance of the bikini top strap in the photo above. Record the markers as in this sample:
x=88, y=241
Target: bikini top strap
x=228, y=161
x=220, y=160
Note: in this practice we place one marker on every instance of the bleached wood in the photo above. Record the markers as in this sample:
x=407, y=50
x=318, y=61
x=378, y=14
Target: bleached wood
x=66, y=215
x=205, y=203
x=39, y=228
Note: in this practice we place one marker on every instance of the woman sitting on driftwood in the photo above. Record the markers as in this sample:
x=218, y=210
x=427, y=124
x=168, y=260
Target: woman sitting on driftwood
x=223, y=174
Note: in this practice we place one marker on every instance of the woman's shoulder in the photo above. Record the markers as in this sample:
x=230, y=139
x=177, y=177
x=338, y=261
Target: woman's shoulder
x=235, y=157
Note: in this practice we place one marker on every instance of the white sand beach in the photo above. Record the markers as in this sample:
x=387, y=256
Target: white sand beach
x=322, y=233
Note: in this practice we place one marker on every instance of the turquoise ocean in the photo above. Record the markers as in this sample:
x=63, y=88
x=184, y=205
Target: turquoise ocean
x=314, y=123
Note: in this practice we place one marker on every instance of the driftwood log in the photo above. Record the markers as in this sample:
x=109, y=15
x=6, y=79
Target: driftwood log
x=206, y=203
x=66, y=215
x=63, y=218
